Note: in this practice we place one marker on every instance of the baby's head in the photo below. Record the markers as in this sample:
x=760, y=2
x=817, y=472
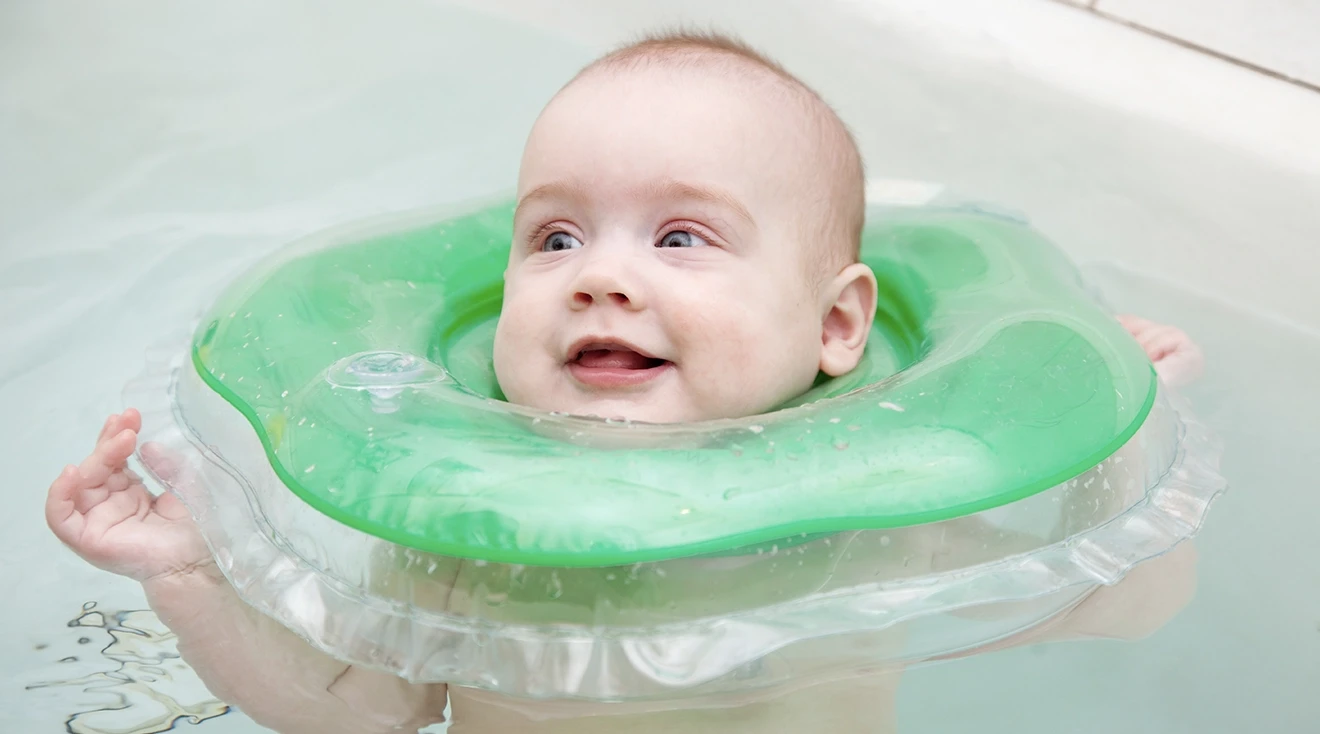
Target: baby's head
x=686, y=240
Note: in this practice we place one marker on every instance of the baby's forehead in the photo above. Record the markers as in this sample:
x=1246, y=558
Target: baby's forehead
x=768, y=110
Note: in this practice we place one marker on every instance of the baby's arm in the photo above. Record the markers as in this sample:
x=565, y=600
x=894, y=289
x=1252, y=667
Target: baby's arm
x=104, y=512
x=857, y=704
x=275, y=677
x=1136, y=607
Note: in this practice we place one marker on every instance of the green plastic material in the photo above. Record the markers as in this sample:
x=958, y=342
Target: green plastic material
x=363, y=362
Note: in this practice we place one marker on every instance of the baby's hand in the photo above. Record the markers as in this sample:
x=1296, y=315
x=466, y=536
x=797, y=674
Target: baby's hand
x=104, y=513
x=1177, y=359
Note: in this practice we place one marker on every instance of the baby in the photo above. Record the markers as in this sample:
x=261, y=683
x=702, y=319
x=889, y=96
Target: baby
x=685, y=242
x=685, y=248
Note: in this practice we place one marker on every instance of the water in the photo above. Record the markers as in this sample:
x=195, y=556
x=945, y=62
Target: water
x=151, y=690
x=147, y=155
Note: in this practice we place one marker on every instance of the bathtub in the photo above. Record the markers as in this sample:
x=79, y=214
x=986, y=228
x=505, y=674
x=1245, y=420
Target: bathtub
x=150, y=151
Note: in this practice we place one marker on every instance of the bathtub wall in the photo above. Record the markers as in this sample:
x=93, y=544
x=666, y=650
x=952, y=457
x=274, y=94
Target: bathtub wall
x=1279, y=36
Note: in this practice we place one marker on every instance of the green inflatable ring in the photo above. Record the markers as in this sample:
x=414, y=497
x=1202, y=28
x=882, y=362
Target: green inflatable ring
x=362, y=360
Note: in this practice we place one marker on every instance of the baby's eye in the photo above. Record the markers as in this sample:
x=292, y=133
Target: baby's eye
x=558, y=241
x=681, y=238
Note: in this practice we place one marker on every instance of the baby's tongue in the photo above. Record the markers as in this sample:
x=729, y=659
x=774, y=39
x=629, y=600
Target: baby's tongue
x=613, y=359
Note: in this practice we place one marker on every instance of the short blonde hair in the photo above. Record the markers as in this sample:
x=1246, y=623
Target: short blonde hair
x=845, y=214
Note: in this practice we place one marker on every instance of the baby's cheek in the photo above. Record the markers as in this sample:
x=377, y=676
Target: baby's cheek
x=519, y=321
x=715, y=333
x=744, y=361
x=514, y=341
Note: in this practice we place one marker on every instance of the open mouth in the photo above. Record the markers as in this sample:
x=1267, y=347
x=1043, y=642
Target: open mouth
x=617, y=359
x=605, y=364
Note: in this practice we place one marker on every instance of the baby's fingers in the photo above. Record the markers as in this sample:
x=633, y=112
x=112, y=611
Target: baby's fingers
x=61, y=515
x=110, y=456
x=129, y=419
x=1182, y=365
x=108, y=429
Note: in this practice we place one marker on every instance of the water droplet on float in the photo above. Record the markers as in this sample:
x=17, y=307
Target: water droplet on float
x=884, y=540
x=841, y=445
x=756, y=428
x=835, y=420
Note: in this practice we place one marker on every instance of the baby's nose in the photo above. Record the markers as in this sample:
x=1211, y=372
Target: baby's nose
x=584, y=298
x=606, y=286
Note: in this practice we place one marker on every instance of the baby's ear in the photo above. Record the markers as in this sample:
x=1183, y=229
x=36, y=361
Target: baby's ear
x=849, y=301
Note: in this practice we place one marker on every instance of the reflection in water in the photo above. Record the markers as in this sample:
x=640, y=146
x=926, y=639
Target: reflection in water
x=150, y=691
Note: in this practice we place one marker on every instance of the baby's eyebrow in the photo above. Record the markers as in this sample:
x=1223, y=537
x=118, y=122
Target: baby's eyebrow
x=571, y=190
x=674, y=190
x=667, y=189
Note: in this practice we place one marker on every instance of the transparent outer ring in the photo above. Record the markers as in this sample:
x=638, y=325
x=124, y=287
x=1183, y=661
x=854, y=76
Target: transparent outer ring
x=674, y=629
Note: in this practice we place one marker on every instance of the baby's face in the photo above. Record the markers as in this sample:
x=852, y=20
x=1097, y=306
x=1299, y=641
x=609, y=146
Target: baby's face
x=660, y=271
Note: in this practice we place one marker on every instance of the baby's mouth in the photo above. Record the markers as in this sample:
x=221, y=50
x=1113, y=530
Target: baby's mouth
x=609, y=365
x=616, y=358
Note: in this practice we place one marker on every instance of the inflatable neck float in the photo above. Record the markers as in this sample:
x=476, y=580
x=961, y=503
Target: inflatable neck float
x=1003, y=449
